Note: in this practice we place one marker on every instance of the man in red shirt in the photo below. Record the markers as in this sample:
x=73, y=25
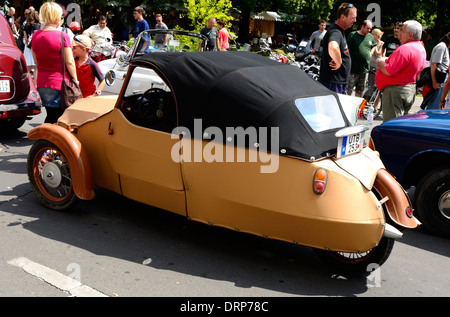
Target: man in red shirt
x=397, y=74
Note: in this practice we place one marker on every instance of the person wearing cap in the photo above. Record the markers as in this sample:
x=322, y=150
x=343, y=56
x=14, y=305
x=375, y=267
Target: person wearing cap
x=87, y=69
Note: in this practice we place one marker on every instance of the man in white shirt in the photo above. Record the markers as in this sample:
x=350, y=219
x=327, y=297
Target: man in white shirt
x=100, y=34
x=317, y=36
x=160, y=39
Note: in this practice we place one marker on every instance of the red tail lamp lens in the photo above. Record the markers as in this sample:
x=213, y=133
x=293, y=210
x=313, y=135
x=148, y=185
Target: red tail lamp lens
x=409, y=211
x=320, y=181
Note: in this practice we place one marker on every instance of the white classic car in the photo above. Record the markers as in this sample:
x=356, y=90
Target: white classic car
x=115, y=69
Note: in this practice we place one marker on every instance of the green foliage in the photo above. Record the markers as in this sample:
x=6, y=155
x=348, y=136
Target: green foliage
x=291, y=6
x=199, y=12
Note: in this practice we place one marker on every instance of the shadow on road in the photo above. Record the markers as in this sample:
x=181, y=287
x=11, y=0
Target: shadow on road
x=113, y=226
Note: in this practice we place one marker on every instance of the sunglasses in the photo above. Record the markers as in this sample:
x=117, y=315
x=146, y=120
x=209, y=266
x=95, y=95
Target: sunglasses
x=349, y=6
x=79, y=41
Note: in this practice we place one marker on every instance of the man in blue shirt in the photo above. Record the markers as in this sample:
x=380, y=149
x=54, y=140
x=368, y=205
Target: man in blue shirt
x=141, y=25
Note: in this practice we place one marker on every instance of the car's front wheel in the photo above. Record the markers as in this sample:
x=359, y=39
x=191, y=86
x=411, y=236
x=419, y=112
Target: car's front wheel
x=432, y=201
x=50, y=176
x=358, y=262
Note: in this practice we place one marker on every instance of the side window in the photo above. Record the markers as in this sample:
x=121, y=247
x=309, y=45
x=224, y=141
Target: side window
x=148, y=101
x=143, y=79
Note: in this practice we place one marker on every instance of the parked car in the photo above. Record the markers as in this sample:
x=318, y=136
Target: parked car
x=19, y=98
x=235, y=140
x=179, y=40
x=416, y=149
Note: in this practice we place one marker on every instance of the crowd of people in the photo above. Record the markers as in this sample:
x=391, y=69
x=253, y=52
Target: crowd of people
x=44, y=39
x=347, y=62
x=361, y=58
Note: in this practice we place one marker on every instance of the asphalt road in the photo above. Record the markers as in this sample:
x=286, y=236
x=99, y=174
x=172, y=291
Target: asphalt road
x=111, y=246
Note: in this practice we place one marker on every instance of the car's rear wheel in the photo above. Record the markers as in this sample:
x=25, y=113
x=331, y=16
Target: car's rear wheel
x=50, y=176
x=358, y=262
x=432, y=201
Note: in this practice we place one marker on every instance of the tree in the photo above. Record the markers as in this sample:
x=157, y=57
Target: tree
x=199, y=11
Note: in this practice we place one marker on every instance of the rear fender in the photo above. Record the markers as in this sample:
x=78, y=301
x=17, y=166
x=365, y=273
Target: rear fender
x=73, y=151
x=395, y=199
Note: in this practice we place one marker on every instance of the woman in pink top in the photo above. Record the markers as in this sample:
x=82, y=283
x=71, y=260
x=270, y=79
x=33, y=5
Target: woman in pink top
x=46, y=49
x=223, y=36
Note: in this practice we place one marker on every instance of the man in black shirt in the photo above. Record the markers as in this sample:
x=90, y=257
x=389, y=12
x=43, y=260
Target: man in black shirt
x=392, y=41
x=212, y=33
x=336, y=62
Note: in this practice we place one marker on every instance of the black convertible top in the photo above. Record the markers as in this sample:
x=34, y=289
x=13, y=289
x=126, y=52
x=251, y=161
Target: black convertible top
x=243, y=89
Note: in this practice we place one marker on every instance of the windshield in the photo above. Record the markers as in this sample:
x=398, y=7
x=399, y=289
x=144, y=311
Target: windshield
x=321, y=112
x=160, y=40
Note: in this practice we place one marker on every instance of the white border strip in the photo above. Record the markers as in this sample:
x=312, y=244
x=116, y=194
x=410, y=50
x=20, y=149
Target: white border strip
x=61, y=281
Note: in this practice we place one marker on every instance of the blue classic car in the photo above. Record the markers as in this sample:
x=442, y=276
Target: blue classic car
x=416, y=150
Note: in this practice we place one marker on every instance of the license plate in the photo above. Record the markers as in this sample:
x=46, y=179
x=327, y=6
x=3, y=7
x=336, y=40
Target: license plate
x=349, y=144
x=174, y=43
x=4, y=86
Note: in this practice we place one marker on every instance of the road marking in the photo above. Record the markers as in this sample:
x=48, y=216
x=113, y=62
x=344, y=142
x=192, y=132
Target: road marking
x=61, y=281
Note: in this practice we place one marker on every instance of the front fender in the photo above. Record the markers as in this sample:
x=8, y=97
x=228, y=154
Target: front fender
x=73, y=151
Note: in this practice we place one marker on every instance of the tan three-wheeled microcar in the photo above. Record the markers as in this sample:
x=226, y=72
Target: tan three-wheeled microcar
x=234, y=140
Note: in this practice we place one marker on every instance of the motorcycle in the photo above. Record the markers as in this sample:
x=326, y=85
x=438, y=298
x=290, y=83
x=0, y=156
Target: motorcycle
x=303, y=50
x=99, y=53
x=311, y=66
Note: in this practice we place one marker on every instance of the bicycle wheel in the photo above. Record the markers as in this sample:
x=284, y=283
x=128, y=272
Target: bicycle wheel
x=371, y=97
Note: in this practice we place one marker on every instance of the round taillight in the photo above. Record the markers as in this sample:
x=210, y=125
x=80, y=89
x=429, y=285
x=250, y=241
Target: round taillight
x=409, y=211
x=320, y=181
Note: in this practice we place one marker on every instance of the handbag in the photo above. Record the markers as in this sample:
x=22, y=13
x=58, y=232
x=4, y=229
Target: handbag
x=70, y=92
x=424, y=77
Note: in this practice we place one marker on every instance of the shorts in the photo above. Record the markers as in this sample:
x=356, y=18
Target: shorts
x=337, y=88
x=358, y=81
x=50, y=97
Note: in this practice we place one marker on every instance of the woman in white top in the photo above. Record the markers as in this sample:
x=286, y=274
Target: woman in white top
x=377, y=50
x=375, y=53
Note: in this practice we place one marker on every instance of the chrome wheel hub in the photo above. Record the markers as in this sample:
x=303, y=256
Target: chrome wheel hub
x=51, y=174
x=444, y=204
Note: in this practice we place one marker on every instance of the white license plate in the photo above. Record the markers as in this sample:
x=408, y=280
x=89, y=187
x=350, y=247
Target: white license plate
x=4, y=86
x=174, y=43
x=350, y=144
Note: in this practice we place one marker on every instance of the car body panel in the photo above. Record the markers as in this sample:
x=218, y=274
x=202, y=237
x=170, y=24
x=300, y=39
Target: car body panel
x=123, y=164
x=85, y=110
x=410, y=143
x=239, y=197
x=397, y=213
x=18, y=95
